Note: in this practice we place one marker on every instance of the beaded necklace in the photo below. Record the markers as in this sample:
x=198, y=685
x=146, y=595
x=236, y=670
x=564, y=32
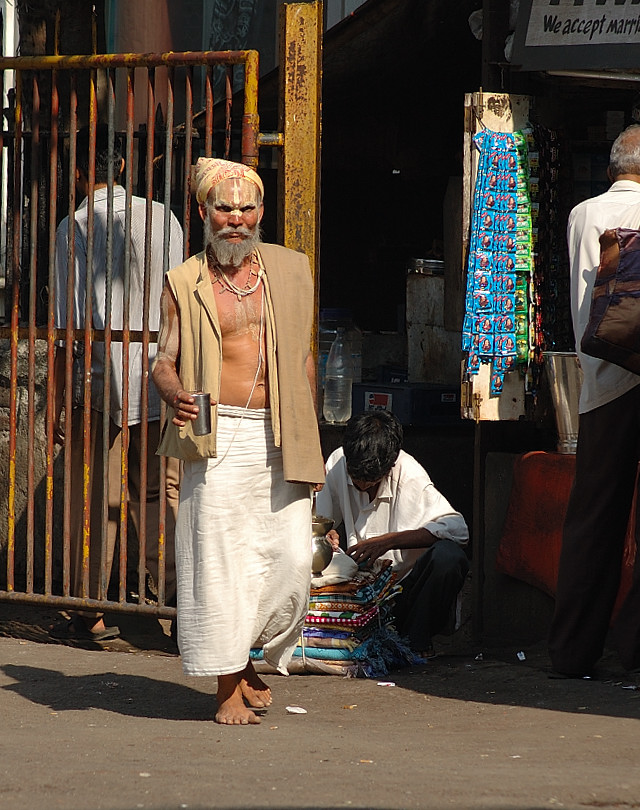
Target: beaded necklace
x=227, y=285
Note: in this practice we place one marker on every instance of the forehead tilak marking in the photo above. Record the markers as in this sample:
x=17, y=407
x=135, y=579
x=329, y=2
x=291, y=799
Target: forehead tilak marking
x=236, y=191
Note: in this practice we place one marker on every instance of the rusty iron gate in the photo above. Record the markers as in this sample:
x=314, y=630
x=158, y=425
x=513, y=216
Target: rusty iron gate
x=146, y=102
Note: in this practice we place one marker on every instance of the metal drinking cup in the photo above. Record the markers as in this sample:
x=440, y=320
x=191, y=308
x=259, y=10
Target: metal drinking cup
x=201, y=425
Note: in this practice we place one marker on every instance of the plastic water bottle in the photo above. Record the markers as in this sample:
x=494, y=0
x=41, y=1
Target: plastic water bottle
x=330, y=320
x=338, y=380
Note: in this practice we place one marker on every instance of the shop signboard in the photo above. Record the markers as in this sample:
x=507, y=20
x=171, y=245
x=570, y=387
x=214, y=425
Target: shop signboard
x=577, y=35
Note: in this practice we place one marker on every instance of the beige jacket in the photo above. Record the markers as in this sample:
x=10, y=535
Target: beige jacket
x=289, y=320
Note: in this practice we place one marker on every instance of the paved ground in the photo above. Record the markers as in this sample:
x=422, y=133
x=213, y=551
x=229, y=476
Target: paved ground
x=119, y=727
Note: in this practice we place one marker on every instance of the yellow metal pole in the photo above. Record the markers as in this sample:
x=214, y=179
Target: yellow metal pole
x=300, y=124
x=250, y=119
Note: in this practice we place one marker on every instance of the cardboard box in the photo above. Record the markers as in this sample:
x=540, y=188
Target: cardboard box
x=419, y=404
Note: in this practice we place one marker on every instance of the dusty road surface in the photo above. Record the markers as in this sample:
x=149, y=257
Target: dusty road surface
x=118, y=727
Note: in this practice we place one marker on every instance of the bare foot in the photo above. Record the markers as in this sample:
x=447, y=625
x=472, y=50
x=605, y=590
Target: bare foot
x=89, y=623
x=231, y=708
x=254, y=690
x=91, y=628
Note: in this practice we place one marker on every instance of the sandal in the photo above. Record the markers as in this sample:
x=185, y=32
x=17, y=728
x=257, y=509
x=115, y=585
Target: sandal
x=77, y=630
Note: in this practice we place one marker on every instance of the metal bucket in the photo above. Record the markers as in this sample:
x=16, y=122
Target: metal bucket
x=565, y=381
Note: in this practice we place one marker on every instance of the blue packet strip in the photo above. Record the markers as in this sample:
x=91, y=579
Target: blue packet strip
x=505, y=324
x=497, y=382
x=489, y=323
x=505, y=303
x=505, y=344
x=486, y=346
x=504, y=283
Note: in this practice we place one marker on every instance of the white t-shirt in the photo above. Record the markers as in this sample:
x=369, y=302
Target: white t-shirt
x=136, y=291
x=406, y=499
x=619, y=207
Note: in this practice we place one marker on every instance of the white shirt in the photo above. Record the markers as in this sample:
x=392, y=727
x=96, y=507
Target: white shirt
x=406, y=499
x=619, y=207
x=136, y=291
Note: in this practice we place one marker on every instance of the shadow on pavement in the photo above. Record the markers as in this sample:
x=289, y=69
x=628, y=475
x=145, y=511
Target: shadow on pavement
x=500, y=678
x=47, y=626
x=132, y=695
x=491, y=673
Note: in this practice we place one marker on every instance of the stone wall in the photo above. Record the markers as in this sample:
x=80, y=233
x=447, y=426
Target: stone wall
x=22, y=463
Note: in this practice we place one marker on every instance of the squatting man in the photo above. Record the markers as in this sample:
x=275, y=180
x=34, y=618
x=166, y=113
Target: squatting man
x=236, y=322
x=390, y=509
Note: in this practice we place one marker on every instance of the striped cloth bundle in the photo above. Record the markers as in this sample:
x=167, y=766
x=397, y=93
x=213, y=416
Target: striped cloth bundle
x=348, y=629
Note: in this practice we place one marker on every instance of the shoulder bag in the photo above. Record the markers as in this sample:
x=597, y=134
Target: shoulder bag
x=613, y=331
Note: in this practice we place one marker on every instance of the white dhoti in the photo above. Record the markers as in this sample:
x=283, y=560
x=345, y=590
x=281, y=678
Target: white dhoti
x=243, y=551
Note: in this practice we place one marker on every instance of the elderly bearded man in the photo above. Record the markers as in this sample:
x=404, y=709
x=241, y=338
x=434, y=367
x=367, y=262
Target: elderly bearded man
x=236, y=322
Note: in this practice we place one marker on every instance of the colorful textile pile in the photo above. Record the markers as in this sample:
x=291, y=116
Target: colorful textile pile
x=497, y=325
x=348, y=629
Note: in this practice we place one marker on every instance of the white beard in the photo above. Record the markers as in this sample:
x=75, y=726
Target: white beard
x=230, y=254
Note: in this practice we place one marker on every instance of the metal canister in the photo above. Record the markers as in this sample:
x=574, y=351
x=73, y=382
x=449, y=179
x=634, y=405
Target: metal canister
x=565, y=382
x=201, y=425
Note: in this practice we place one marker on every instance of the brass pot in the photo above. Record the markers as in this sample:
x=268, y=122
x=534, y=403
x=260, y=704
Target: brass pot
x=321, y=547
x=322, y=554
x=321, y=525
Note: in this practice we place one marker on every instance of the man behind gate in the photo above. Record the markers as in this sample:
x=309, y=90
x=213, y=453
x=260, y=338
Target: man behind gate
x=69, y=432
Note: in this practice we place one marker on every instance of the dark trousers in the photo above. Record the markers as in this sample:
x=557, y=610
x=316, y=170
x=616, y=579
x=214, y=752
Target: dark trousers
x=593, y=542
x=429, y=592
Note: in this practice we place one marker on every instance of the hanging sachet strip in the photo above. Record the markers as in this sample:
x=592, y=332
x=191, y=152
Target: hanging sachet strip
x=500, y=256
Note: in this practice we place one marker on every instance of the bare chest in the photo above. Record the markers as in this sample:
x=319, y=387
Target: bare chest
x=239, y=315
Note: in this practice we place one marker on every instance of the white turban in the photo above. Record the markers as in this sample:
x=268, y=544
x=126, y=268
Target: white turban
x=211, y=171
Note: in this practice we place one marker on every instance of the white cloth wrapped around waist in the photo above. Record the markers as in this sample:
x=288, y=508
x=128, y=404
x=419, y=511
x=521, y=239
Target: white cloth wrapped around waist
x=243, y=551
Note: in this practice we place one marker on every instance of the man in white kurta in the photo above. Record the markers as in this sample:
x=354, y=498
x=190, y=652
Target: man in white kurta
x=608, y=452
x=160, y=247
x=391, y=509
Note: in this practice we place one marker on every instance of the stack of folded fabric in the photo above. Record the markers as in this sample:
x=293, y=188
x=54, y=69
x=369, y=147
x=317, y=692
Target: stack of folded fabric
x=348, y=629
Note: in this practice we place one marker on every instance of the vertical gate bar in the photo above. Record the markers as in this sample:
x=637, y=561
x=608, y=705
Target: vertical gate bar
x=228, y=88
x=144, y=390
x=208, y=121
x=168, y=161
x=56, y=33
x=31, y=364
x=3, y=206
x=88, y=344
x=122, y=575
x=3, y=180
x=188, y=160
x=4, y=236
x=108, y=294
x=168, y=172
x=250, y=118
x=168, y=168
x=94, y=30
x=15, y=321
x=69, y=326
x=51, y=251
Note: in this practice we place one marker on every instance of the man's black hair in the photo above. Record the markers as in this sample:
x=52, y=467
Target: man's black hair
x=102, y=153
x=371, y=444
